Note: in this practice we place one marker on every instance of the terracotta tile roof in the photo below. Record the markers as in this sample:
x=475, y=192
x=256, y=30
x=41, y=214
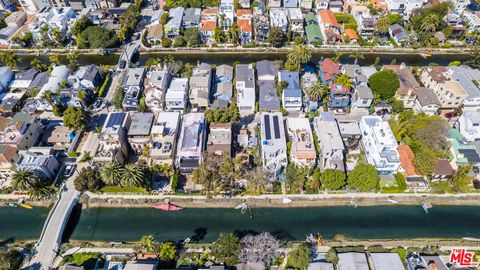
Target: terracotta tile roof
x=243, y=12
x=351, y=34
x=245, y=25
x=329, y=69
x=443, y=167
x=209, y=11
x=208, y=26
x=407, y=159
x=328, y=18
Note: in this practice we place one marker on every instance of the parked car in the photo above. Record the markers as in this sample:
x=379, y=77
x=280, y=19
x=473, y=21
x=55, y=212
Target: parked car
x=382, y=112
x=122, y=64
x=98, y=103
x=69, y=170
x=451, y=115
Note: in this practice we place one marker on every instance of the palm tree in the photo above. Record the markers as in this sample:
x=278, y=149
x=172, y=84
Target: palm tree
x=48, y=97
x=344, y=80
x=382, y=25
x=357, y=55
x=317, y=90
x=111, y=173
x=24, y=179
x=233, y=33
x=132, y=176
x=40, y=191
x=300, y=54
x=148, y=243
x=430, y=23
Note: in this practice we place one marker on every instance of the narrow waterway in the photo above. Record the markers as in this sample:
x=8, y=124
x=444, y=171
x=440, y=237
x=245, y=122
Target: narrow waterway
x=21, y=224
x=230, y=58
x=204, y=225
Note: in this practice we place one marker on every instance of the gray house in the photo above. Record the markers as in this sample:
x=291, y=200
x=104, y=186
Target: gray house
x=191, y=17
x=268, y=99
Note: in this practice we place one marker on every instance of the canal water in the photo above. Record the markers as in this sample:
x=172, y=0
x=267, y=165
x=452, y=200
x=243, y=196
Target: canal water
x=20, y=223
x=245, y=58
x=204, y=225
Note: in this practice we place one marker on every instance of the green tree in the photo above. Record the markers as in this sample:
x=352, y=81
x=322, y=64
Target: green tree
x=96, y=37
x=9, y=59
x=9, y=258
x=218, y=36
x=24, y=179
x=397, y=106
x=41, y=190
x=333, y=179
x=175, y=180
x=54, y=59
x=88, y=179
x=72, y=58
x=192, y=37
x=233, y=33
x=117, y=100
x=317, y=91
x=430, y=23
x=314, y=182
x=401, y=181
x=178, y=42
x=344, y=80
x=164, y=18
x=142, y=105
x=76, y=118
x=148, y=243
x=166, y=42
x=461, y=181
x=276, y=37
x=167, y=252
x=206, y=176
x=81, y=24
x=384, y=83
x=111, y=173
x=299, y=257
x=226, y=248
x=132, y=176
x=363, y=178
x=299, y=55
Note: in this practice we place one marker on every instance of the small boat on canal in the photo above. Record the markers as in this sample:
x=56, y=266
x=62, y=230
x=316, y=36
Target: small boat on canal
x=11, y=204
x=167, y=207
x=26, y=206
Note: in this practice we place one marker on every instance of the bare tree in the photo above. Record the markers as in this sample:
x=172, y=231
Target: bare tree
x=262, y=248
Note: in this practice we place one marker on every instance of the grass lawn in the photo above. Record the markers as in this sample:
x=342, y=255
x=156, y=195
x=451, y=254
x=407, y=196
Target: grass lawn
x=87, y=260
x=117, y=189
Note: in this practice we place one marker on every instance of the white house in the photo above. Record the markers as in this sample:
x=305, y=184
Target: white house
x=292, y=94
x=469, y=125
x=426, y=101
x=274, y=145
x=278, y=18
x=164, y=136
x=449, y=92
x=302, y=152
x=468, y=78
x=330, y=141
x=379, y=144
x=6, y=78
x=245, y=85
x=46, y=165
x=191, y=142
x=176, y=97
x=155, y=87
x=227, y=12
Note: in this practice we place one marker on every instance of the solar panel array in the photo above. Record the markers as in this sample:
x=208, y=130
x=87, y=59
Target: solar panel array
x=471, y=155
x=276, y=127
x=115, y=119
x=266, y=119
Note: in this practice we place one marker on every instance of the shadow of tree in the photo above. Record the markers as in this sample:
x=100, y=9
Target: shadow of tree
x=242, y=233
x=199, y=234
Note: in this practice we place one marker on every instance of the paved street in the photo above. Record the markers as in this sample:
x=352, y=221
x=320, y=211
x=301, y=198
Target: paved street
x=49, y=242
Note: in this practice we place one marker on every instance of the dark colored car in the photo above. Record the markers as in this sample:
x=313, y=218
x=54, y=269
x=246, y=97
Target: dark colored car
x=382, y=112
x=122, y=64
x=451, y=115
